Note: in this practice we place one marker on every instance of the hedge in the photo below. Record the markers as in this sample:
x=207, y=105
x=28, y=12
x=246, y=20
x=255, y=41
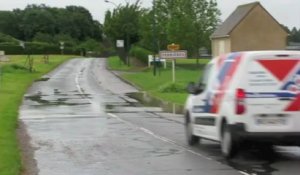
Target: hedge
x=7, y=38
x=140, y=53
x=35, y=48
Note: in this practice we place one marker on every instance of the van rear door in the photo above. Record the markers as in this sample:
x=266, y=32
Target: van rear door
x=272, y=93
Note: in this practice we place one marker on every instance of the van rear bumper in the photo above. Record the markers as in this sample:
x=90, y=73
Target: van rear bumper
x=278, y=138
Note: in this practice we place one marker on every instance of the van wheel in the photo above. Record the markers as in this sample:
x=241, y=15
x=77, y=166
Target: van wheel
x=229, y=146
x=191, y=138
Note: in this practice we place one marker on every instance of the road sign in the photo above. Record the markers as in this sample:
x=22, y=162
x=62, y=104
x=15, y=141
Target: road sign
x=120, y=43
x=173, y=54
x=173, y=47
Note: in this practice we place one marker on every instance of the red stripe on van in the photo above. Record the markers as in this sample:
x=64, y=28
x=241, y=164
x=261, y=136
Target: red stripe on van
x=221, y=60
x=218, y=98
x=279, y=68
x=295, y=105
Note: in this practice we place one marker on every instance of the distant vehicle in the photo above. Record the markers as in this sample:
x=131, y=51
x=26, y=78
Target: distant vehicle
x=246, y=97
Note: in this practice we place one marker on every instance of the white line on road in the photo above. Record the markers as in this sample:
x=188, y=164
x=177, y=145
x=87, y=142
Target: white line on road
x=77, y=83
x=164, y=139
x=79, y=87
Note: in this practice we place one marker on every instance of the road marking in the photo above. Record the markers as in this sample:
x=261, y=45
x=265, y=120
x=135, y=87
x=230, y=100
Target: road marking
x=244, y=173
x=157, y=136
x=79, y=87
x=77, y=83
x=164, y=139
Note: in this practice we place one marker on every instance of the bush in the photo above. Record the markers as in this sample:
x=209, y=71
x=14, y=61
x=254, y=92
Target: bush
x=41, y=48
x=43, y=37
x=13, y=68
x=7, y=38
x=173, y=88
x=92, y=47
x=11, y=48
x=35, y=48
x=140, y=53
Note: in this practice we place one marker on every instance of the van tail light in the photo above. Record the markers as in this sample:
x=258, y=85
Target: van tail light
x=240, y=96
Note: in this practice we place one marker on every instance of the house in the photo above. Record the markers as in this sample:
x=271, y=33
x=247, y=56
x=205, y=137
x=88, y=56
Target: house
x=249, y=27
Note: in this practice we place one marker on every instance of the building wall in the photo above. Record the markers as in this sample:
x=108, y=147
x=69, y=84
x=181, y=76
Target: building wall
x=220, y=46
x=258, y=31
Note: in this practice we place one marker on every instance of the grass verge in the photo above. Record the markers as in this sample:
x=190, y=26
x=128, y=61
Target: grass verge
x=15, y=80
x=161, y=86
x=115, y=63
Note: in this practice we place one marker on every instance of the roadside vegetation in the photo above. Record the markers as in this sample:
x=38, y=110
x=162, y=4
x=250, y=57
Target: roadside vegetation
x=161, y=85
x=115, y=63
x=15, y=80
x=44, y=28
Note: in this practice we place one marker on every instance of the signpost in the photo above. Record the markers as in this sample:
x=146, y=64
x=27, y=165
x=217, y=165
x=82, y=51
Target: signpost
x=173, y=47
x=62, y=47
x=173, y=55
x=120, y=43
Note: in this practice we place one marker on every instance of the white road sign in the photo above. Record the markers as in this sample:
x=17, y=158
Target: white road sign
x=120, y=43
x=173, y=54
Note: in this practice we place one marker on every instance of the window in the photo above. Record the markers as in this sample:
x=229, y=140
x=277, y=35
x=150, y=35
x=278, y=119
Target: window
x=205, y=76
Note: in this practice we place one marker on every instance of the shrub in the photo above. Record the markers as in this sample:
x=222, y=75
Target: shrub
x=11, y=48
x=43, y=37
x=35, y=48
x=13, y=68
x=7, y=38
x=140, y=53
x=177, y=87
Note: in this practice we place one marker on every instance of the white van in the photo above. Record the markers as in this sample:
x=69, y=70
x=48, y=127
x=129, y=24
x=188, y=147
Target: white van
x=246, y=97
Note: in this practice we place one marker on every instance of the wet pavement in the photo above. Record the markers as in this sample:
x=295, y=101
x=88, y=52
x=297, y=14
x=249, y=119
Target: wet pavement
x=83, y=120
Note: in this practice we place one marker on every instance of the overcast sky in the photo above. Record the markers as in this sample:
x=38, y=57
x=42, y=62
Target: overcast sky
x=286, y=12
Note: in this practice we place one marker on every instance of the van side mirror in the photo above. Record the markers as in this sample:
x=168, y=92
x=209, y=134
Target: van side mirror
x=192, y=88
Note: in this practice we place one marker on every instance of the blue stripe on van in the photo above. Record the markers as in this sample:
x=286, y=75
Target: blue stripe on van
x=270, y=95
x=226, y=66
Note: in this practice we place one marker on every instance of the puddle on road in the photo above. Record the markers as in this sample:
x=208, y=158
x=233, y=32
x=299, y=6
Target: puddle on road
x=145, y=102
x=60, y=99
x=149, y=101
x=57, y=102
x=254, y=162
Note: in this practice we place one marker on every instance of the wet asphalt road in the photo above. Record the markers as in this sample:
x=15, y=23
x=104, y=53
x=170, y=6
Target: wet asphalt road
x=82, y=123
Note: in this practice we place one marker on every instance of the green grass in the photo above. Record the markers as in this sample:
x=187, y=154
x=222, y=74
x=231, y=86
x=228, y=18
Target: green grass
x=15, y=80
x=186, y=71
x=115, y=63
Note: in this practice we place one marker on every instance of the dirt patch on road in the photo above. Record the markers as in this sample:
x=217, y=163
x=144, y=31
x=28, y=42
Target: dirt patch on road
x=29, y=165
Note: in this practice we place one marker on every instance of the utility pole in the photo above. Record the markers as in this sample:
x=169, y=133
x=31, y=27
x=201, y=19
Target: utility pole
x=154, y=38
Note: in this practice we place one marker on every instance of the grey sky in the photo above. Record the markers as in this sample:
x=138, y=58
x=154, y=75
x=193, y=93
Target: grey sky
x=286, y=12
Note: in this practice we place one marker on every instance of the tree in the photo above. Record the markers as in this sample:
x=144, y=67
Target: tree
x=43, y=37
x=9, y=24
x=186, y=22
x=294, y=35
x=37, y=20
x=123, y=23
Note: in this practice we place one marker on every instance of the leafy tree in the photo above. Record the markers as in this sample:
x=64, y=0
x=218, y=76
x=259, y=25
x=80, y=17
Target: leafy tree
x=37, y=20
x=43, y=37
x=186, y=22
x=9, y=24
x=91, y=45
x=123, y=23
x=67, y=39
